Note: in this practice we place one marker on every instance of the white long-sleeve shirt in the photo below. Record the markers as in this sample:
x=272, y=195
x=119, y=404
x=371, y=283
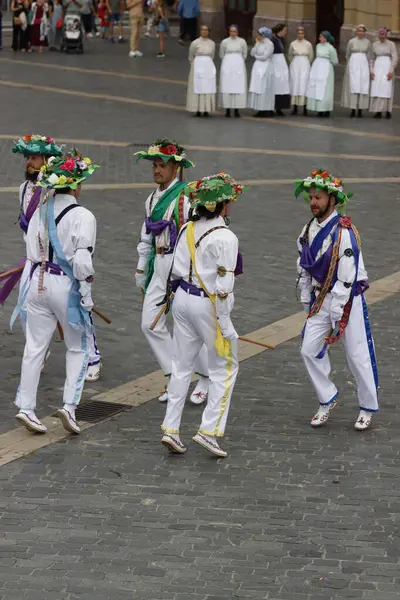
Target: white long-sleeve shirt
x=346, y=267
x=162, y=241
x=217, y=249
x=76, y=232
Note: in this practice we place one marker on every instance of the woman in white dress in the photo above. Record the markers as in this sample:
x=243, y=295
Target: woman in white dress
x=281, y=69
x=355, y=91
x=301, y=55
x=383, y=66
x=233, y=75
x=202, y=84
x=321, y=83
x=261, y=90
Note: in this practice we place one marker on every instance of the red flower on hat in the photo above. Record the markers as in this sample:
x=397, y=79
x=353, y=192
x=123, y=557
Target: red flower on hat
x=345, y=222
x=68, y=165
x=170, y=150
x=28, y=138
x=49, y=140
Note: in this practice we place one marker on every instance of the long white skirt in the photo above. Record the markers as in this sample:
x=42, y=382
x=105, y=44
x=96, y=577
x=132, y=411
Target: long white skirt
x=382, y=90
x=321, y=86
x=233, y=81
x=356, y=82
x=261, y=90
x=281, y=75
x=299, y=73
x=202, y=85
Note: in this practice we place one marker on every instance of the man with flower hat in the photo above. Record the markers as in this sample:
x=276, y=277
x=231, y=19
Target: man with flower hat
x=166, y=210
x=60, y=242
x=37, y=149
x=332, y=281
x=203, y=274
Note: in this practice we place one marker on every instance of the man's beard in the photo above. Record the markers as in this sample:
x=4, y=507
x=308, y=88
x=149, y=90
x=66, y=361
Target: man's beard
x=31, y=176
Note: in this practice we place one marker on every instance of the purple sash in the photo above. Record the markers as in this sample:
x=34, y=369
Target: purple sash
x=25, y=218
x=317, y=268
x=8, y=283
x=156, y=228
x=239, y=264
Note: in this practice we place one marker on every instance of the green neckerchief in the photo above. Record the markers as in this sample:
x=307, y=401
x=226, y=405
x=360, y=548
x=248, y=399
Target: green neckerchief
x=157, y=214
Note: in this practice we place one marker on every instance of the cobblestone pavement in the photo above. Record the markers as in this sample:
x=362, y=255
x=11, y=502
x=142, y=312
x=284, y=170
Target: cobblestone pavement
x=292, y=514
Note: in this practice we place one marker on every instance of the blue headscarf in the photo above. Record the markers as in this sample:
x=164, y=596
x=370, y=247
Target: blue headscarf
x=265, y=31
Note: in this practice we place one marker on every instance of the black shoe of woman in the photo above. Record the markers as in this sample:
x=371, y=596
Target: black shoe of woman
x=352, y=114
x=228, y=112
x=294, y=111
x=198, y=114
x=237, y=113
x=388, y=115
x=359, y=114
x=206, y=114
x=305, y=111
x=280, y=113
x=378, y=115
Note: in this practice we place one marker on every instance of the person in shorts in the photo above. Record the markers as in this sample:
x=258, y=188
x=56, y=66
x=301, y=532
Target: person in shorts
x=117, y=11
x=162, y=27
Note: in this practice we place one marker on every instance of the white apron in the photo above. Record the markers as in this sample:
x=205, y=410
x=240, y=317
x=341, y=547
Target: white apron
x=281, y=75
x=381, y=87
x=299, y=73
x=233, y=74
x=204, y=75
x=257, y=76
x=359, y=73
x=318, y=78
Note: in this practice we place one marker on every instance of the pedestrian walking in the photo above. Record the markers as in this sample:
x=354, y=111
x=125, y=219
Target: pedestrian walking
x=202, y=273
x=59, y=288
x=39, y=24
x=117, y=11
x=202, y=84
x=356, y=82
x=321, y=83
x=233, y=74
x=281, y=70
x=87, y=14
x=301, y=55
x=135, y=8
x=383, y=67
x=261, y=90
x=188, y=11
x=151, y=12
x=104, y=13
x=332, y=280
x=162, y=26
x=167, y=209
x=20, y=39
x=55, y=25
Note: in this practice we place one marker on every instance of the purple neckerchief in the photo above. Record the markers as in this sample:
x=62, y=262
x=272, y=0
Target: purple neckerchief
x=361, y=287
x=316, y=268
x=159, y=226
x=8, y=283
x=25, y=218
x=239, y=264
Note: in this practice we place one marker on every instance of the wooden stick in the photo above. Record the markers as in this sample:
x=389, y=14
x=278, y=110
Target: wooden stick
x=158, y=317
x=251, y=341
x=11, y=272
x=99, y=314
x=60, y=331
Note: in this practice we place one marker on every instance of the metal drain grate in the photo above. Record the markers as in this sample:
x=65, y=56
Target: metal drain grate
x=94, y=411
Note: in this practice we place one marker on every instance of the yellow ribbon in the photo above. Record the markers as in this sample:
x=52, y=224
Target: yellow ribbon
x=222, y=346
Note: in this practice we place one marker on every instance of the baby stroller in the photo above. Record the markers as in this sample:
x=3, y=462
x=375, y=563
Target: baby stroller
x=72, y=36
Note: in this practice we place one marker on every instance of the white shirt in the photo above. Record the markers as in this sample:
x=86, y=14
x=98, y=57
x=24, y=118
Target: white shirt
x=346, y=267
x=162, y=241
x=76, y=233
x=217, y=249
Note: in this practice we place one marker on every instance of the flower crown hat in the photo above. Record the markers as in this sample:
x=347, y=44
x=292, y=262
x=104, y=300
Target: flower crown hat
x=166, y=150
x=65, y=171
x=37, y=144
x=322, y=180
x=213, y=190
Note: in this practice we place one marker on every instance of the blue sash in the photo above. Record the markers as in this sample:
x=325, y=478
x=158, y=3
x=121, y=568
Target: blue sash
x=321, y=235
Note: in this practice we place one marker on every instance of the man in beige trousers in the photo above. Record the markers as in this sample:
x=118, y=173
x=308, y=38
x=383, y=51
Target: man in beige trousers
x=135, y=8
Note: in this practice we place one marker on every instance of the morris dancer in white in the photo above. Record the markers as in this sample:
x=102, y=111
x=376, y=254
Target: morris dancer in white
x=356, y=82
x=202, y=84
x=321, y=84
x=332, y=281
x=301, y=55
x=59, y=244
x=167, y=209
x=383, y=67
x=203, y=268
x=261, y=90
x=233, y=74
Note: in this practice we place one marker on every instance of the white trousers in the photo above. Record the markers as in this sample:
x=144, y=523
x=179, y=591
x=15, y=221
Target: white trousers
x=359, y=349
x=43, y=312
x=195, y=325
x=160, y=339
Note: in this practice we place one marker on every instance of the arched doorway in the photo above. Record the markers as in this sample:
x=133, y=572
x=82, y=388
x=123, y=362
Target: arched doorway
x=241, y=13
x=330, y=16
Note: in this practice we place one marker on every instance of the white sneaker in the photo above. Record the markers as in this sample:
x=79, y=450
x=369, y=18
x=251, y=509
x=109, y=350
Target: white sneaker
x=200, y=393
x=139, y=54
x=364, y=421
x=322, y=415
x=31, y=422
x=93, y=372
x=163, y=397
x=68, y=421
x=132, y=53
x=210, y=443
x=90, y=35
x=98, y=34
x=173, y=443
x=147, y=34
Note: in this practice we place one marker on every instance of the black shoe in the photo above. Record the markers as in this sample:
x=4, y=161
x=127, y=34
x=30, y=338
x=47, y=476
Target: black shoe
x=359, y=113
x=320, y=114
x=228, y=112
x=327, y=114
x=279, y=113
x=206, y=114
x=352, y=114
x=198, y=114
x=270, y=113
x=378, y=115
x=388, y=115
x=294, y=111
x=237, y=113
x=305, y=111
x=261, y=114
